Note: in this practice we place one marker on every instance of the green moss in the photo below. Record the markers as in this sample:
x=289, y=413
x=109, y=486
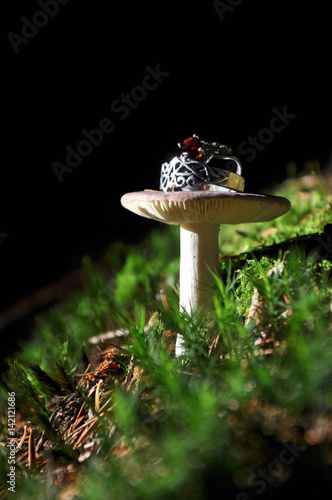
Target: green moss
x=249, y=385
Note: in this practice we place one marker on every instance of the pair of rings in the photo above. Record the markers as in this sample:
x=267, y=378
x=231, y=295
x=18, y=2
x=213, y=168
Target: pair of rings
x=191, y=170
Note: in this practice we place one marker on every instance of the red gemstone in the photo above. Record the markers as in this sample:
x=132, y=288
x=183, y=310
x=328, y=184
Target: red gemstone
x=191, y=146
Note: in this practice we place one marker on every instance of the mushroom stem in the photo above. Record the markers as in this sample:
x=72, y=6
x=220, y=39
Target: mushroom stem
x=199, y=252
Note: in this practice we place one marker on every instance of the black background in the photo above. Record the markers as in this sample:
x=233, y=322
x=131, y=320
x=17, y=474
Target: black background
x=224, y=78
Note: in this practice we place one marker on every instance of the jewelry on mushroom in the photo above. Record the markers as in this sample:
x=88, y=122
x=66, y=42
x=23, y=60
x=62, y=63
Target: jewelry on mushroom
x=186, y=198
x=190, y=170
x=178, y=175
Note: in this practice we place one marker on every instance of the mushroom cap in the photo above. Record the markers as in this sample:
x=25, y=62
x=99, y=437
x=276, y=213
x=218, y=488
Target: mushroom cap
x=188, y=207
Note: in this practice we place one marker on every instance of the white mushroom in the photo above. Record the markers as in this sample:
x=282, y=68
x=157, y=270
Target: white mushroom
x=199, y=214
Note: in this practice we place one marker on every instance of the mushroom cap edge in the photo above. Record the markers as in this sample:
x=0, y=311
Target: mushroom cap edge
x=184, y=207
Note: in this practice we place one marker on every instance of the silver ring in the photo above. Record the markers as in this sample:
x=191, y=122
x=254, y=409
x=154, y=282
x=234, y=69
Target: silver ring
x=190, y=171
